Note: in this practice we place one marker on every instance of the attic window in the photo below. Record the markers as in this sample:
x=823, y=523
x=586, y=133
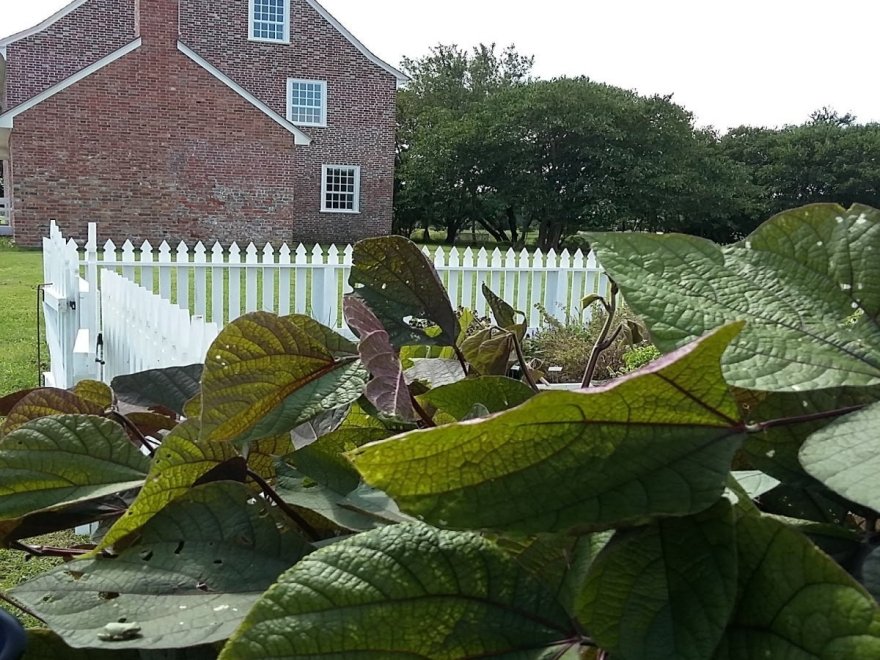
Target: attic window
x=270, y=20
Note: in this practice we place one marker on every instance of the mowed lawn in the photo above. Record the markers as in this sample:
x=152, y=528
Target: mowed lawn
x=21, y=271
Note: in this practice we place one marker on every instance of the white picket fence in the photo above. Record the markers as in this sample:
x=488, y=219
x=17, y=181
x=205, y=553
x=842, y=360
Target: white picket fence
x=161, y=307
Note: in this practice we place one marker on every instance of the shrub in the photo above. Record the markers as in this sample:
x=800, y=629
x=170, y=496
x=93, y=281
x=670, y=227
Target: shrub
x=307, y=496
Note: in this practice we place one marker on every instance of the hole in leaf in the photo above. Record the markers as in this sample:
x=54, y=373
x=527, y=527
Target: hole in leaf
x=146, y=555
x=179, y=548
x=108, y=595
x=122, y=619
x=219, y=562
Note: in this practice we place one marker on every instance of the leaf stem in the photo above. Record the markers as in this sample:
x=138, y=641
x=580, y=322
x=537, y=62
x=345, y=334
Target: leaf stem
x=461, y=359
x=603, y=341
x=757, y=427
x=21, y=607
x=426, y=418
x=48, y=550
x=130, y=426
x=522, y=362
x=291, y=513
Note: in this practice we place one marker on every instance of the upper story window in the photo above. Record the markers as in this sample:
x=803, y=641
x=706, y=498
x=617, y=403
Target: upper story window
x=270, y=20
x=340, y=188
x=307, y=102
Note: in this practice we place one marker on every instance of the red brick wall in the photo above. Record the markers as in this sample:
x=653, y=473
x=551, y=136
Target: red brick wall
x=360, y=111
x=90, y=32
x=153, y=147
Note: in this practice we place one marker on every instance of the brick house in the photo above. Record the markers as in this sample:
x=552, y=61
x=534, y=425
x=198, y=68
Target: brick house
x=262, y=120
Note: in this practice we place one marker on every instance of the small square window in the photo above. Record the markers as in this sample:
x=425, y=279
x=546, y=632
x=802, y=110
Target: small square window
x=340, y=188
x=307, y=102
x=269, y=20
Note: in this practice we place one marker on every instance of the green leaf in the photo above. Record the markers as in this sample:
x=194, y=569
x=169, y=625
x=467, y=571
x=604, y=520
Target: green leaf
x=46, y=645
x=505, y=315
x=845, y=456
x=266, y=374
x=868, y=572
x=496, y=393
x=775, y=450
x=794, y=602
x=796, y=280
x=434, y=371
x=94, y=391
x=561, y=561
x=488, y=351
x=754, y=482
x=171, y=387
x=358, y=510
x=197, y=568
x=387, y=390
x=655, y=443
x=665, y=590
x=44, y=402
x=323, y=459
x=178, y=464
x=407, y=591
x=396, y=281
x=55, y=461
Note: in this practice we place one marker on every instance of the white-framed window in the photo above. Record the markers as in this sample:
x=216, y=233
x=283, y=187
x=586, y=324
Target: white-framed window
x=307, y=102
x=269, y=20
x=340, y=188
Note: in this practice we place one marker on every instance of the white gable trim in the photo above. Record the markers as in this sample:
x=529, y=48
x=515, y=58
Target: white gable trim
x=400, y=75
x=299, y=136
x=39, y=27
x=7, y=117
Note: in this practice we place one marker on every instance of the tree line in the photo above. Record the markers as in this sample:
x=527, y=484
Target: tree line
x=481, y=143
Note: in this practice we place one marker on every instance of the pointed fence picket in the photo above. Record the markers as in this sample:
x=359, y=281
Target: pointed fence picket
x=213, y=285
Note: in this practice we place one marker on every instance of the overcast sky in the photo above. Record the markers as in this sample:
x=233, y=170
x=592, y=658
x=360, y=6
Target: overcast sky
x=758, y=62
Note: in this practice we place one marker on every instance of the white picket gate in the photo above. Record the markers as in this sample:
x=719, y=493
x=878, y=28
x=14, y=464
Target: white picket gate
x=161, y=307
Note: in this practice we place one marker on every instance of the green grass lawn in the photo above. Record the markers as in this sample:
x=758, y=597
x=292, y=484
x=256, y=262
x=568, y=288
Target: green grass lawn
x=20, y=273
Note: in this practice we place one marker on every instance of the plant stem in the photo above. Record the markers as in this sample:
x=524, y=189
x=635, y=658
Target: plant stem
x=128, y=424
x=522, y=362
x=48, y=550
x=291, y=513
x=461, y=359
x=603, y=341
x=19, y=606
x=757, y=427
x=426, y=418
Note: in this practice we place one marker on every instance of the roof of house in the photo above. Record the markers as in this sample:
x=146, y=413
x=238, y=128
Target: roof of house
x=61, y=13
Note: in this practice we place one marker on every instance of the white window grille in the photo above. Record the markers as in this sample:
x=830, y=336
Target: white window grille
x=340, y=188
x=307, y=102
x=270, y=20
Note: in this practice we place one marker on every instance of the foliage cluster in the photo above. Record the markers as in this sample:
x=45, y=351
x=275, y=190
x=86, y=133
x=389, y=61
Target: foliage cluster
x=482, y=143
x=301, y=495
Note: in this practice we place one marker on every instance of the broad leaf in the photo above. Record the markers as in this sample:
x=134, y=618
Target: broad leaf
x=408, y=591
x=496, y=393
x=64, y=459
x=665, y=590
x=180, y=462
x=44, y=402
x=46, y=645
x=392, y=276
x=658, y=442
x=845, y=456
x=387, y=390
x=488, y=351
x=868, y=572
x=797, y=281
x=95, y=392
x=754, y=482
x=361, y=509
x=323, y=460
x=775, y=450
x=171, y=387
x=197, y=568
x=794, y=602
x=307, y=432
x=504, y=314
x=435, y=372
x=265, y=374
